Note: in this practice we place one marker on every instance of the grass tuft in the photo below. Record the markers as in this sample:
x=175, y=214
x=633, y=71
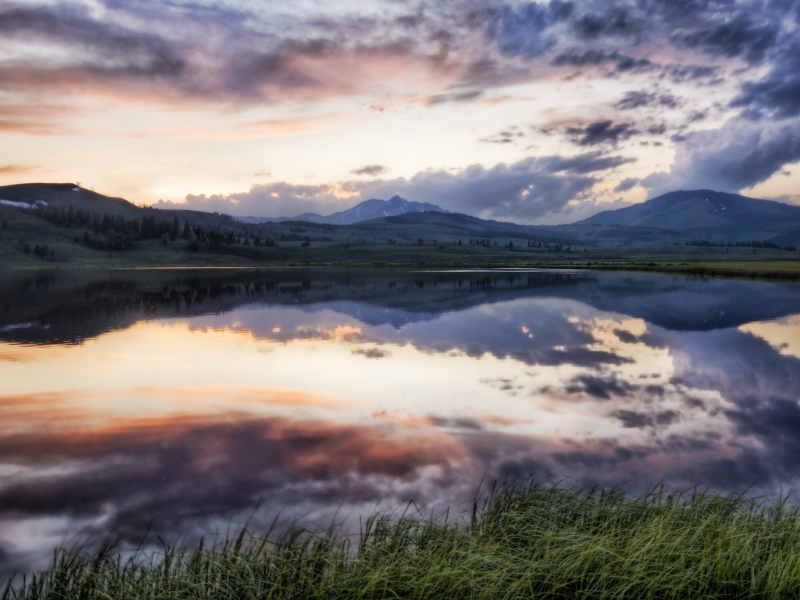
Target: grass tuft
x=531, y=541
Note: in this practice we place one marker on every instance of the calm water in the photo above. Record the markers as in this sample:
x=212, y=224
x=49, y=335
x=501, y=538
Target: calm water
x=187, y=402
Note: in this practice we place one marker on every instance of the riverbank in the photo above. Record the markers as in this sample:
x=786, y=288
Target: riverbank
x=523, y=542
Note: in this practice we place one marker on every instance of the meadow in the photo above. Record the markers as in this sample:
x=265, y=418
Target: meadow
x=359, y=249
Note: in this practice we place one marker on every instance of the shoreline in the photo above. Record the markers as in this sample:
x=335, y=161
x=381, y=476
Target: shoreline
x=519, y=541
x=764, y=270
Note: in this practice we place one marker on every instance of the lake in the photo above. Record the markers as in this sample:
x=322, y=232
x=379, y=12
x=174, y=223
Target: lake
x=140, y=404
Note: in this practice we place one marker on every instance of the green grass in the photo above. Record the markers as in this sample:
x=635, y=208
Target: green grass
x=523, y=542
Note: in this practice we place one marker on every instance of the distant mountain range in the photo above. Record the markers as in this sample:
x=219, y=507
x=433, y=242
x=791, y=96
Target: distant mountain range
x=364, y=211
x=673, y=218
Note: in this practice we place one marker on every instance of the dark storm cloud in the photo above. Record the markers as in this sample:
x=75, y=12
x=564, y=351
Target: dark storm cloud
x=739, y=36
x=594, y=57
x=779, y=92
x=683, y=10
x=615, y=21
x=738, y=155
x=225, y=52
x=601, y=132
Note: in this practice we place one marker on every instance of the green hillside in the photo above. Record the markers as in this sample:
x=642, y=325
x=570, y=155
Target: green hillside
x=715, y=216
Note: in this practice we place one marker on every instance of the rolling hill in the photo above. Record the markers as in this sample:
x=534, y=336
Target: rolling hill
x=710, y=215
x=66, y=195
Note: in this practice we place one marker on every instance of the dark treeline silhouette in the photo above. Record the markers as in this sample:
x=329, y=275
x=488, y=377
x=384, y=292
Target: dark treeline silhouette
x=107, y=231
x=42, y=251
x=752, y=244
x=104, y=231
x=95, y=222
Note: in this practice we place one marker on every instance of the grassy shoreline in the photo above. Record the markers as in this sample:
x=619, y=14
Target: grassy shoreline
x=528, y=541
x=779, y=270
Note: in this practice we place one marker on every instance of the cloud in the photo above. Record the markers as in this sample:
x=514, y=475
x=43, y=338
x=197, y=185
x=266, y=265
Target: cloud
x=589, y=162
x=779, y=92
x=522, y=30
x=183, y=54
x=615, y=21
x=14, y=169
x=734, y=393
x=179, y=54
x=526, y=190
x=278, y=199
x=626, y=184
x=220, y=58
x=738, y=155
x=602, y=388
x=594, y=57
x=639, y=99
x=171, y=476
x=739, y=36
x=680, y=73
x=601, y=132
x=529, y=189
x=371, y=352
x=632, y=419
x=371, y=170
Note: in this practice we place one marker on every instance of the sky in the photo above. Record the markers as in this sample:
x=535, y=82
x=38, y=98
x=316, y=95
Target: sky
x=534, y=112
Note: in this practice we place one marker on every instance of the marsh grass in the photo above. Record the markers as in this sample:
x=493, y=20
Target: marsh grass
x=531, y=541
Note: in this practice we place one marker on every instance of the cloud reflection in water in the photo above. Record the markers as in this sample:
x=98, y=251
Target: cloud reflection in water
x=186, y=422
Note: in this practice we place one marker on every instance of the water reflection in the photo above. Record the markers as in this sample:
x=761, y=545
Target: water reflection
x=175, y=402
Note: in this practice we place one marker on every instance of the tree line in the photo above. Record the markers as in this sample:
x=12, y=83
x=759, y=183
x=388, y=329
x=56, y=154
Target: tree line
x=752, y=244
x=113, y=232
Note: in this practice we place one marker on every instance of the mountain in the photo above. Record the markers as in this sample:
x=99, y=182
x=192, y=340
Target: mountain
x=65, y=195
x=369, y=209
x=674, y=218
x=709, y=215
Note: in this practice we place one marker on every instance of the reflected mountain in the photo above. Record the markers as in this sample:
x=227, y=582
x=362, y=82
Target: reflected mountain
x=62, y=307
